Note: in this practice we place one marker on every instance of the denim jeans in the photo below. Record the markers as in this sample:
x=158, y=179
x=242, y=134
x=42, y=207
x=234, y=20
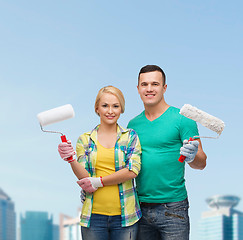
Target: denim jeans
x=167, y=221
x=104, y=227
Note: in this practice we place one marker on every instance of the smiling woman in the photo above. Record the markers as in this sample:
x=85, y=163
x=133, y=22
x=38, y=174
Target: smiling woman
x=108, y=107
x=108, y=159
x=111, y=90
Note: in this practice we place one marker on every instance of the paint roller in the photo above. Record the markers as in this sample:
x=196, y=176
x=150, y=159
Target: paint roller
x=56, y=115
x=207, y=120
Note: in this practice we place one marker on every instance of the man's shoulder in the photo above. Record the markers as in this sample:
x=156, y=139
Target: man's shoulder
x=184, y=121
x=171, y=113
x=174, y=109
x=136, y=119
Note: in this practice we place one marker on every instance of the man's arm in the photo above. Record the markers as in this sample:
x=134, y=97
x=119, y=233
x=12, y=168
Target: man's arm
x=199, y=161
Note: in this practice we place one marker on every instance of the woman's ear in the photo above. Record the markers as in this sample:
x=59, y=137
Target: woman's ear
x=96, y=111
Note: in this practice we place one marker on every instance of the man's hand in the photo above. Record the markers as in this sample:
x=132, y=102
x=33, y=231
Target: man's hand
x=189, y=150
x=90, y=184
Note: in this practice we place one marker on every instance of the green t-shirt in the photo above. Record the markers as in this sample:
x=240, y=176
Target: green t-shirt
x=161, y=178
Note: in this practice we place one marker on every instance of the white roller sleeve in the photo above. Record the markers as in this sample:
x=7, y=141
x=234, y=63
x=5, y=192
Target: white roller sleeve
x=207, y=120
x=56, y=115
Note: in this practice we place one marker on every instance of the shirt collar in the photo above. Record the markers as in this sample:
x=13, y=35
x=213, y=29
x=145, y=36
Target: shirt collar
x=94, y=132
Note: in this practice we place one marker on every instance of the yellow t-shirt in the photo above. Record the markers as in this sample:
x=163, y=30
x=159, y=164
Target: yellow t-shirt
x=106, y=200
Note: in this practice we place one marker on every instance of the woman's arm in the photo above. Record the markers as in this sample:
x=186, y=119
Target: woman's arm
x=66, y=150
x=130, y=171
x=118, y=177
x=91, y=184
x=78, y=166
x=79, y=171
x=133, y=163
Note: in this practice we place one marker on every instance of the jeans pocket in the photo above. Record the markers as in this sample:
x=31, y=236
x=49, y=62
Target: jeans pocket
x=179, y=215
x=181, y=205
x=178, y=210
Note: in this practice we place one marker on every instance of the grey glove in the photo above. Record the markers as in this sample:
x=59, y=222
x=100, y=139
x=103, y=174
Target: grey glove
x=189, y=150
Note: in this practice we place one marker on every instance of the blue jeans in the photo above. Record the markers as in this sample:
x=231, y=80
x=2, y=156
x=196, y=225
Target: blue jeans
x=167, y=221
x=104, y=227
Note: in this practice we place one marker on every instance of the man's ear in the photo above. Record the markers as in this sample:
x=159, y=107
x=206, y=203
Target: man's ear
x=164, y=88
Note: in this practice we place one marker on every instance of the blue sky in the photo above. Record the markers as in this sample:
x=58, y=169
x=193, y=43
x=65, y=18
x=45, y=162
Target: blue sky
x=59, y=52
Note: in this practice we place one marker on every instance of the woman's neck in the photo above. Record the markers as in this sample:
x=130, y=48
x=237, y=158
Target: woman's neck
x=107, y=129
x=107, y=135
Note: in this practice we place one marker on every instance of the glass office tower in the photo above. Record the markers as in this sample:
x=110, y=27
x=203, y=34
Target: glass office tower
x=36, y=226
x=70, y=227
x=56, y=234
x=223, y=222
x=7, y=217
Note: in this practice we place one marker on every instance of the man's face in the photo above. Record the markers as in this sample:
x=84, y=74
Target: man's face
x=151, y=88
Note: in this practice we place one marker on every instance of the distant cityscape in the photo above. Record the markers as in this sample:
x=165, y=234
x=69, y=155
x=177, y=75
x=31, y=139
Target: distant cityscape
x=221, y=222
x=35, y=225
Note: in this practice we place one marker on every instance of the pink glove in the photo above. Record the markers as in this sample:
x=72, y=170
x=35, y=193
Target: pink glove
x=90, y=184
x=66, y=150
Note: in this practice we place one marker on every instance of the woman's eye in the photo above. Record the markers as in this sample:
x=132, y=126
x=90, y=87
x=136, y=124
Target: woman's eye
x=116, y=106
x=105, y=105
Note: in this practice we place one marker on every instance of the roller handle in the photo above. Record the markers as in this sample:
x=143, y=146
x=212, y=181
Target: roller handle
x=64, y=139
x=182, y=158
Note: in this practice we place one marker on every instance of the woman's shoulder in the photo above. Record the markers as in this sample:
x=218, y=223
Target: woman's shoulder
x=84, y=137
x=128, y=131
x=87, y=135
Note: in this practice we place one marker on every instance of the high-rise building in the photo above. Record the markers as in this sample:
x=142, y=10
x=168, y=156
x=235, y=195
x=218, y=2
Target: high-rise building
x=223, y=222
x=56, y=232
x=36, y=226
x=7, y=217
x=70, y=227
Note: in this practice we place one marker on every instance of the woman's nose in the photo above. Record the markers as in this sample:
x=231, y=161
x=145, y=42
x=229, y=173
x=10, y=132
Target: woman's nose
x=110, y=110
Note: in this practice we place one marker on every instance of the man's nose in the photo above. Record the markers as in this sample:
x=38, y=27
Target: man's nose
x=149, y=88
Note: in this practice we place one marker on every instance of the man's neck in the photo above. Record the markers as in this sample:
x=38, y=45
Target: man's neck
x=153, y=112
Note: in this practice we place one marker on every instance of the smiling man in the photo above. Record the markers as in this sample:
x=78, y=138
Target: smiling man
x=164, y=135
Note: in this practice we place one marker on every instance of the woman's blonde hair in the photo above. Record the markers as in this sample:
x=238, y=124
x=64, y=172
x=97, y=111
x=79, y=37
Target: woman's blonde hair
x=113, y=90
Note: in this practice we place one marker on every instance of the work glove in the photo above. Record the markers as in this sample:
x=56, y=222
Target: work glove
x=189, y=150
x=66, y=151
x=90, y=184
x=82, y=196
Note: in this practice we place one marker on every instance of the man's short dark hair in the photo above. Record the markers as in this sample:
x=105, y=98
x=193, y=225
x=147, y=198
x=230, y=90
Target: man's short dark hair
x=152, y=68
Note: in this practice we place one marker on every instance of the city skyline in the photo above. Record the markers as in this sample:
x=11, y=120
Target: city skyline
x=58, y=52
x=36, y=225
x=223, y=221
x=210, y=224
x=7, y=217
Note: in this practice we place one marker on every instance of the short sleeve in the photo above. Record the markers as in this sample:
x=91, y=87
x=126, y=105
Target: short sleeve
x=81, y=150
x=188, y=128
x=133, y=155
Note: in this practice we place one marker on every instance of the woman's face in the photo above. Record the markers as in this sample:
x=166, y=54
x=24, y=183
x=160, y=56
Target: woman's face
x=109, y=109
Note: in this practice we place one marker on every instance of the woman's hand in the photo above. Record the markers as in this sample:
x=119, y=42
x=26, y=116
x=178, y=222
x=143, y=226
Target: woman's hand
x=90, y=184
x=66, y=150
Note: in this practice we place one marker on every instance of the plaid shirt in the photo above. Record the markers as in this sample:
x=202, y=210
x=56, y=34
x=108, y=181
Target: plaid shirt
x=127, y=155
